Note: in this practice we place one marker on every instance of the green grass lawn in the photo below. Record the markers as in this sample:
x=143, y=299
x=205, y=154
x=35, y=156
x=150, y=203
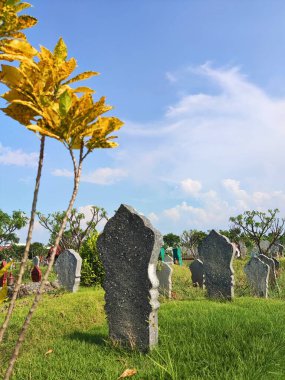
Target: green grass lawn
x=198, y=338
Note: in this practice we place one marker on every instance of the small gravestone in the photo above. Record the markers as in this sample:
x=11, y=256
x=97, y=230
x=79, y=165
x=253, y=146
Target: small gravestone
x=36, y=273
x=277, y=264
x=257, y=273
x=164, y=274
x=129, y=248
x=168, y=259
x=217, y=254
x=197, y=272
x=264, y=245
x=272, y=274
x=68, y=269
x=242, y=248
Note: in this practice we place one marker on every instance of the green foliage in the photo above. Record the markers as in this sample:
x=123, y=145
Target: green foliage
x=191, y=239
x=9, y=224
x=258, y=226
x=171, y=240
x=92, y=272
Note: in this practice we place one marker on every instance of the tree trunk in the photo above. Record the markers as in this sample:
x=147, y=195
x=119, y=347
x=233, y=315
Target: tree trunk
x=77, y=174
x=28, y=243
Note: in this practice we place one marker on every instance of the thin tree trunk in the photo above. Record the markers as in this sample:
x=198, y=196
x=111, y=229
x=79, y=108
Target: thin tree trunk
x=28, y=243
x=77, y=174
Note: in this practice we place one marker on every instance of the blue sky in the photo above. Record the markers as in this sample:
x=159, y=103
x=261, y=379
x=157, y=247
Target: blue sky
x=201, y=88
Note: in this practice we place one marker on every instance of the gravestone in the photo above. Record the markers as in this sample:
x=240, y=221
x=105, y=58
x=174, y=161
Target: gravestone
x=177, y=256
x=68, y=269
x=164, y=274
x=264, y=245
x=129, y=248
x=168, y=259
x=272, y=274
x=277, y=264
x=197, y=272
x=217, y=254
x=257, y=273
x=242, y=248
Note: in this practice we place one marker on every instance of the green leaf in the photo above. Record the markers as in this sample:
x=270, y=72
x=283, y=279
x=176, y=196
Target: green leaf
x=65, y=102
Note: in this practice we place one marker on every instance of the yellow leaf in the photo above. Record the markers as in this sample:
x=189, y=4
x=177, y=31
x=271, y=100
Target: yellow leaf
x=42, y=131
x=29, y=105
x=49, y=352
x=82, y=76
x=60, y=51
x=3, y=293
x=20, y=7
x=10, y=75
x=83, y=89
x=66, y=68
x=128, y=373
x=19, y=47
x=26, y=22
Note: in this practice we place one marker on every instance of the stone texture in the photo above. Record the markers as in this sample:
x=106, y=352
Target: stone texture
x=242, y=248
x=264, y=245
x=217, y=254
x=168, y=259
x=164, y=275
x=197, y=272
x=36, y=261
x=272, y=274
x=68, y=269
x=257, y=273
x=277, y=264
x=129, y=248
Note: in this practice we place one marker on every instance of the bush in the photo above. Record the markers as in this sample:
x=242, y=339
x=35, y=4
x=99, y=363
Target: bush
x=92, y=271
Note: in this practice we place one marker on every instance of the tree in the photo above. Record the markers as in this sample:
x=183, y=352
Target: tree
x=75, y=234
x=191, y=240
x=258, y=226
x=171, y=240
x=10, y=224
x=41, y=99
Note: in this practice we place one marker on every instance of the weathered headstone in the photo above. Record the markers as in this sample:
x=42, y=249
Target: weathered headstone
x=242, y=248
x=272, y=274
x=68, y=269
x=264, y=245
x=217, y=254
x=164, y=274
x=197, y=272
x=129, y=248
x=168, y=259
x=257, y=273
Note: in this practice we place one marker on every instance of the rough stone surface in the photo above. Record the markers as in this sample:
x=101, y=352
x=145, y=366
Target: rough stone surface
x=129, y=248
x=272, y=274
x=257, y=273
x=277, y=264
x=164, y=275
x=197, y=272
x=168, y=259
x=217, y=254
x=264, y=245
x=68, y=269
x=242, y=248
x=36, y=261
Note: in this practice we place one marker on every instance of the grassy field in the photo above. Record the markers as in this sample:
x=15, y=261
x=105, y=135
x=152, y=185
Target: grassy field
x=198, y=338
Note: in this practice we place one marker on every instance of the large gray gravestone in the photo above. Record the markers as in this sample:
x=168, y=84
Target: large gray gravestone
x=257, y=273
x=129, y=248
x=272, y=274
x=164, y=274
x=68, y=269
x=217, y=254
x=197, y=272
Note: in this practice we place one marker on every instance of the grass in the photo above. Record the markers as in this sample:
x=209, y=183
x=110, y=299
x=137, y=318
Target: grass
x=198, y=338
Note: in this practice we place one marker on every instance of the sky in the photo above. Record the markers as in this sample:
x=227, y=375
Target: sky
x=200, y=86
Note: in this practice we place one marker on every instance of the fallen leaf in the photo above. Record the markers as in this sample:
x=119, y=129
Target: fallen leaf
x=128, y=373
x=48, y=352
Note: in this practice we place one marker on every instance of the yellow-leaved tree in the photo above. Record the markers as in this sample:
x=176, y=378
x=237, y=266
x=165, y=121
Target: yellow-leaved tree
x=40, y=98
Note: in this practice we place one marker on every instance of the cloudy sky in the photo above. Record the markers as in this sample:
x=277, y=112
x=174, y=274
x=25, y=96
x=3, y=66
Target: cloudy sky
x=200, y=86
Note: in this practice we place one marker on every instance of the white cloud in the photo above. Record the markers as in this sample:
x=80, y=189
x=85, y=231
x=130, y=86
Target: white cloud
x=191, y=186
x=101, y=176
x=17, y=157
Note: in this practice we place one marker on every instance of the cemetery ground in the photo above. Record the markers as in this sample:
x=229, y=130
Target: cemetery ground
x=198, y=339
